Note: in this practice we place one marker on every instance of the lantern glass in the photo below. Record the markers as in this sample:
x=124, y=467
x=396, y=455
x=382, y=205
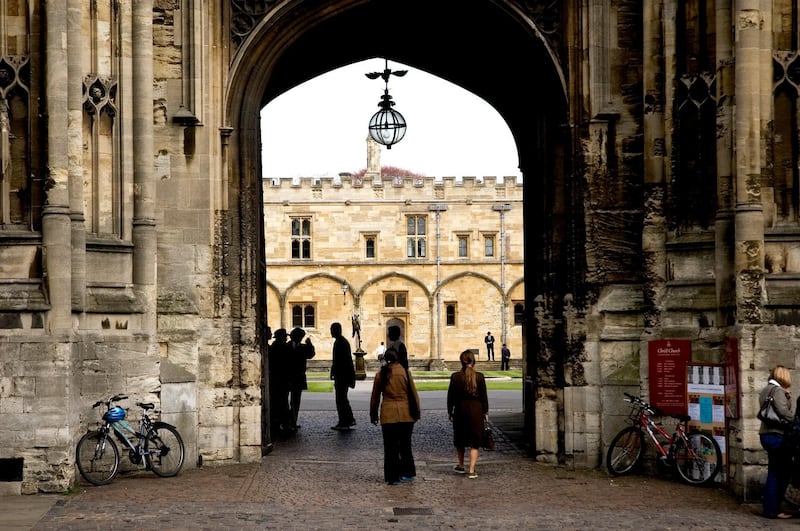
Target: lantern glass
x=387, y=127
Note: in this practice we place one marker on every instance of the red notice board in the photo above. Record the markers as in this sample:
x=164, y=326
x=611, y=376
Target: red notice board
x=668, y=359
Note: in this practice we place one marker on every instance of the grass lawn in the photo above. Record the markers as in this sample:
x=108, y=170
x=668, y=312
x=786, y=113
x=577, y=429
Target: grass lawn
x=438, y=381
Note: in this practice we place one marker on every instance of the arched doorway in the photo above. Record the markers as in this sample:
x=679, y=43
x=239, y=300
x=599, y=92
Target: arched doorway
x=301, y=40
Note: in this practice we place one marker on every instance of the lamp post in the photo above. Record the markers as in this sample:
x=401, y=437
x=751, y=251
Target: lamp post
x=387, y=126
x=503, y=208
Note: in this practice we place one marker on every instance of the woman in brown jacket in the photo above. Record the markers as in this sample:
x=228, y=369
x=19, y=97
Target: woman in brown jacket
x=394, y=393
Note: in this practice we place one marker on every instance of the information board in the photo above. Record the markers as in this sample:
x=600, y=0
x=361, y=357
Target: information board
x=706, y=387
x=668, y=359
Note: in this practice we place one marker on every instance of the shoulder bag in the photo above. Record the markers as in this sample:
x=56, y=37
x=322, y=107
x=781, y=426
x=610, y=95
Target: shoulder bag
x=767, y=413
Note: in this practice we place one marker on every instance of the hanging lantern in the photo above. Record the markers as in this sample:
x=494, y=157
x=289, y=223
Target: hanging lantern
x=387, y=126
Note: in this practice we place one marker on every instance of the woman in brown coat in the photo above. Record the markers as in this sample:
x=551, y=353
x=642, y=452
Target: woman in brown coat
x=395, y=395
x=468, y=407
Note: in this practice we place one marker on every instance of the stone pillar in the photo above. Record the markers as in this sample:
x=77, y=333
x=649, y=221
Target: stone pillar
x=654, y=230
x=723, y=226
x=144, y=227
x=56, y=231
x=75, y=152
x=749, y=217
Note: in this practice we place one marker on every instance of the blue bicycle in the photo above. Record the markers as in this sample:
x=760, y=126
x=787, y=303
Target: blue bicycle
x=157, y=444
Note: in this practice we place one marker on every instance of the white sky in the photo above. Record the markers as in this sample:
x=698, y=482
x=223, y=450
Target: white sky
x=320, y=127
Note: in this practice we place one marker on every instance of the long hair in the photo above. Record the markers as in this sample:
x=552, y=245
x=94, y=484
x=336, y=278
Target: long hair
x=390, y=356
x=468, y=366
x=782, y=375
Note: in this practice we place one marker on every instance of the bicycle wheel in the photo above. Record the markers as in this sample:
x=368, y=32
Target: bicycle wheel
x=625, y=452
x=97, y=458
x=699, y=463
x=164, y=451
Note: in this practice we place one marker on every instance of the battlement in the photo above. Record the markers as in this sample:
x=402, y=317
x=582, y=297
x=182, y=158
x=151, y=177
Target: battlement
x=345, y=179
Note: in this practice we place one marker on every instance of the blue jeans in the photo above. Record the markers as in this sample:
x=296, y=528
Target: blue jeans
x=779, y=472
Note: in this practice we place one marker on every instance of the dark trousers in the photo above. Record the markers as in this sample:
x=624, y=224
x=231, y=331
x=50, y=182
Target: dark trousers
x=504, y=362
x=779, y=472
x=490, y=351
x=283, y=413
x=398, y=460
x=343, y=404
x=296, y=394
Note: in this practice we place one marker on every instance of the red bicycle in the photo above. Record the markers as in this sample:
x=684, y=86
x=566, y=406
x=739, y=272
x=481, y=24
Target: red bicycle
x=695, y=455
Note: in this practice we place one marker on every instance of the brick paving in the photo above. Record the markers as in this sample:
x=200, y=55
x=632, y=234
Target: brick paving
x=323, y=479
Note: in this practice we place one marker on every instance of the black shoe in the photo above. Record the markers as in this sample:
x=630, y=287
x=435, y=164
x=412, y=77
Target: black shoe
x=352, y=423
x=337, y=427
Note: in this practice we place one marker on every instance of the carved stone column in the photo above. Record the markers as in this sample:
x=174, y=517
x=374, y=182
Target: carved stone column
x=654, y=230
x=144, y=227
x=723, y=226
x=56, y=225
x=749, y=217
x=75, y=152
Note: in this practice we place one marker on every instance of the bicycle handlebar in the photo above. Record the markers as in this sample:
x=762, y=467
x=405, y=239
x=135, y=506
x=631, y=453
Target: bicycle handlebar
x=115, y=398
x=638, y=402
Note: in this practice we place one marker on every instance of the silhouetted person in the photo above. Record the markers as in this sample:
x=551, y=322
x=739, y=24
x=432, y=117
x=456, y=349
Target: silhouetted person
x=343, y=374
x=299, y=354
x=505, y=358
x=279, y=383
x=489, y=340
x=396, y=343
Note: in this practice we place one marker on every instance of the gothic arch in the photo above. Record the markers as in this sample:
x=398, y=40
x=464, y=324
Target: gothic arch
x=464, y=274
x=297, y=40
x=409, y=278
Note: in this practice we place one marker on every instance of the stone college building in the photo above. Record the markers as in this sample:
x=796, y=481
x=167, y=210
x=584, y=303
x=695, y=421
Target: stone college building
x=441, y=258
x=658, y=144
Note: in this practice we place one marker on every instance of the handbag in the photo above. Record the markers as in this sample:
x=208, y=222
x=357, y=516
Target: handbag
x=767, y=413
x=487, y=441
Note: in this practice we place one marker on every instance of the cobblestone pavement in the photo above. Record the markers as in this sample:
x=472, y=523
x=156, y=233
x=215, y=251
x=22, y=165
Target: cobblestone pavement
x=324, y=479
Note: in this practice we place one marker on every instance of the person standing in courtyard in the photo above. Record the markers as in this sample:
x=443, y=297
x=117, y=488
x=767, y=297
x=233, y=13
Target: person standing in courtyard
x=298, y=356
x=468, y=408
x=394, y=404
x=505, y=358
x=343, y=374
x=396, y=343
x=379, y=352
x=281, y=415
x=779, y=456
x=489, y=340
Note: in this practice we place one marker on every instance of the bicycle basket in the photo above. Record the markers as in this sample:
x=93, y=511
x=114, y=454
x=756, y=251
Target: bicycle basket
x=115, y=414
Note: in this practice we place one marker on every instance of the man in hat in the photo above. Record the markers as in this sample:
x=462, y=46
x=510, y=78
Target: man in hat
x=299, y=354
x=489, y=340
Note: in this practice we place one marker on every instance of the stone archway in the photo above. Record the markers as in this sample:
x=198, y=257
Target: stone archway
x=301, y=39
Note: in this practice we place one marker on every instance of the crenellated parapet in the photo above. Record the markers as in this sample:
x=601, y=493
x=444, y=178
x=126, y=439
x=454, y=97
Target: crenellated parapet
x=348, y=180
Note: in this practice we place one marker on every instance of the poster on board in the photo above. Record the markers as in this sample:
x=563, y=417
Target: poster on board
x=706, y=392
